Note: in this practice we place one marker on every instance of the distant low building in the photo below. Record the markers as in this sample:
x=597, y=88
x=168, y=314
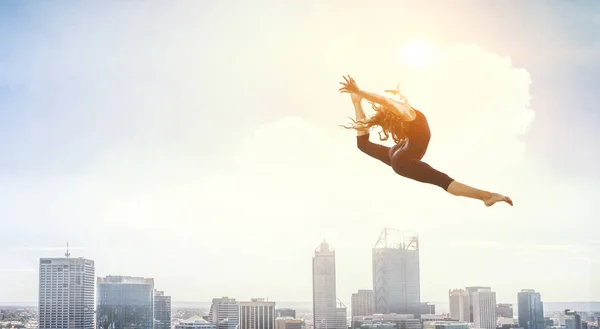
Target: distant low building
x=445, y=325
x=285, y=313
x=435, y=317
x=504, y=311
x=386, y=321
x=427, y=308
x=196, y=322
x=282, y=323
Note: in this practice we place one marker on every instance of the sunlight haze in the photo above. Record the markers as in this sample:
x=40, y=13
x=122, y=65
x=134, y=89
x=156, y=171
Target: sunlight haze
x=199, y=143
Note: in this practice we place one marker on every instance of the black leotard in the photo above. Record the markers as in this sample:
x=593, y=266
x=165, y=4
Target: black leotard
x=405, y=157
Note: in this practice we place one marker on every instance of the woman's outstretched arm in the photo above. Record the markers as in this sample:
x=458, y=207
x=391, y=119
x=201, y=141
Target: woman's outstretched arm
x=359, y=113
x=351, y=87
x=403, y=108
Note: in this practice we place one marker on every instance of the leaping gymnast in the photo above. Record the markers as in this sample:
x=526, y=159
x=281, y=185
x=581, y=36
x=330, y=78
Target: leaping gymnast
x=409, y=129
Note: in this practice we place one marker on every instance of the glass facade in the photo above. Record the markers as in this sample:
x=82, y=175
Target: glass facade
x=531, y=309
x=125, y=304
x=162, y=310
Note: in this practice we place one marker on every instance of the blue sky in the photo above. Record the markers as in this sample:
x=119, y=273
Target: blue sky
x=123, y=124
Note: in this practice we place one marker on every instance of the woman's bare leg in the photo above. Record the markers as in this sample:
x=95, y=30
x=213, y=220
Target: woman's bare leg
x=423, y=172
x=489, y=198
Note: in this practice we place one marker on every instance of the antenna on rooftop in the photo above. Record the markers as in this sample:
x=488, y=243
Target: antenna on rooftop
x=67, y=254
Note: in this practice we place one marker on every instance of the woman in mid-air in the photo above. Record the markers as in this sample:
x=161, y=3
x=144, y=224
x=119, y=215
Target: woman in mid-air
x=410, y=131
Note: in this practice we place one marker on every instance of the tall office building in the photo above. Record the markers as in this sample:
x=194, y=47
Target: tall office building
x=257, y=314
x=66, y=293
x=162, y=310
x=530, y=309
x=125, y=302
x=362, y=303
x=483, y=302
x=396, y=273
x=459, y=305
x=328, y=313
x=225, y=313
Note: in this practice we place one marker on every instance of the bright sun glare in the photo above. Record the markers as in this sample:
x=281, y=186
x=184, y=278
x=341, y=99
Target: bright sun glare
x=416, y=53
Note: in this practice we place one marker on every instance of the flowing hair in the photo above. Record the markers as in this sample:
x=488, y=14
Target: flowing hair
x=390, y=122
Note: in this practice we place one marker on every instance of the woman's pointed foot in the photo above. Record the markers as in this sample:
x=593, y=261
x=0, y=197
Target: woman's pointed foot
x=495, y=197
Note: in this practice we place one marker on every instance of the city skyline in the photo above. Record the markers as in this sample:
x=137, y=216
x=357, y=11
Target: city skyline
x=405, y=241
x=128, y=127
x=513, y=303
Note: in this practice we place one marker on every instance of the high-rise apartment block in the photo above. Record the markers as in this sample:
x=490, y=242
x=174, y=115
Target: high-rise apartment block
x=66, y=293
x=362, y=303
x=396, y=273
x=328, y=313
x=125, y=302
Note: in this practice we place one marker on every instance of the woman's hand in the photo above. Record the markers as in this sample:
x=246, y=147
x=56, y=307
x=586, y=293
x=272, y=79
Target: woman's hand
x=349, y=86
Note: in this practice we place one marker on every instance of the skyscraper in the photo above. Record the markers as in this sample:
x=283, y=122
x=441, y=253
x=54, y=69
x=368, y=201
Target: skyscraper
x=483, y=302
x=257, y=314
x=531, y=309
x=459, y=305
x=66, y=293
x=326, y=311
x=396, y=273
x=225, y=313
x=162, y=310
x=125, y=302
x=362, y=303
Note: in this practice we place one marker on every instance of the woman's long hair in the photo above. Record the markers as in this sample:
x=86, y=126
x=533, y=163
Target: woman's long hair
x=390, y=121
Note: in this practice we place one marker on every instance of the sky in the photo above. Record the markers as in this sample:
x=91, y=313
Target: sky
x=199, y=143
